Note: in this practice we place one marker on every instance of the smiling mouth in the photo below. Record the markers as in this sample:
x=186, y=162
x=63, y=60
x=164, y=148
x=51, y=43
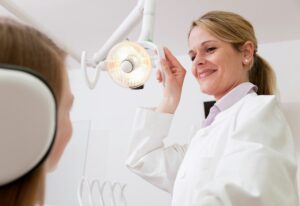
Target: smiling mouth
x=204, y=74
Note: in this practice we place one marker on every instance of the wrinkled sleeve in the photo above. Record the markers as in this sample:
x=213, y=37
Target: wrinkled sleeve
x=258, y=167
x=148, y=157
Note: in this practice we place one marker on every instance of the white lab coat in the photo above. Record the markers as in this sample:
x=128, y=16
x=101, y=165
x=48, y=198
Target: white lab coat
x=246, y=157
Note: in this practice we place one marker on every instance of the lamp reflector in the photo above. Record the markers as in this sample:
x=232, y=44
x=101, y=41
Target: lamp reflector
x=129, y=64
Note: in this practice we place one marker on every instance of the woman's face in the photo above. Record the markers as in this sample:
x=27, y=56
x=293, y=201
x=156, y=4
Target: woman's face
x=217, y=66
x=64, y=125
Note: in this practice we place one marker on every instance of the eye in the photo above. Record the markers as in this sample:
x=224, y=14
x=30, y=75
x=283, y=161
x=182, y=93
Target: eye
x=192, y=58
x=211, y=49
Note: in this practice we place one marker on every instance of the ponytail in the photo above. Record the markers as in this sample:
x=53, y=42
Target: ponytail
x=262, y=75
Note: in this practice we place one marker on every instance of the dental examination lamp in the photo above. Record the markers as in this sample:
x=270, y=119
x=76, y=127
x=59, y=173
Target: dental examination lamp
x=128, y=63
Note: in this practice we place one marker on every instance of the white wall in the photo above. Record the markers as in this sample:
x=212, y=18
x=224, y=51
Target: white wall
x=111, y=111
x=285, y=58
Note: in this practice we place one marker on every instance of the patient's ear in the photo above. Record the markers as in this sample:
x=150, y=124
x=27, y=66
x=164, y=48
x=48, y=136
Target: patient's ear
x=64, y=126
x=62, y=138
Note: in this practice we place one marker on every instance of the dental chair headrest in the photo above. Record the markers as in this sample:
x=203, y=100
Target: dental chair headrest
x=28, y=116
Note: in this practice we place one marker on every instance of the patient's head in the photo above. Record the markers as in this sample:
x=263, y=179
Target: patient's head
x=24, y=46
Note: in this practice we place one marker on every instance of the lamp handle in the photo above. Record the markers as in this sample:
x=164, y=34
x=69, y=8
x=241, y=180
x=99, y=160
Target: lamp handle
x=90, y=82
x=159, y=54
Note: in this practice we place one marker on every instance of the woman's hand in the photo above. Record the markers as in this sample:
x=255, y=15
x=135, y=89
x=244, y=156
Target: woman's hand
x=173, y=77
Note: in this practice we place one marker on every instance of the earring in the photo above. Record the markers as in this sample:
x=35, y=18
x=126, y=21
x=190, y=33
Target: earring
x=246, y=61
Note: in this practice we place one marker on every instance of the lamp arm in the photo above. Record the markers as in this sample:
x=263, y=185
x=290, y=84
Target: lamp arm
x=126, y=26
x=11, y=7
x=148, y=21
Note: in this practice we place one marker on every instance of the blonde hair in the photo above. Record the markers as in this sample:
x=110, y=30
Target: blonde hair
x=25, y=46
x=236, y=30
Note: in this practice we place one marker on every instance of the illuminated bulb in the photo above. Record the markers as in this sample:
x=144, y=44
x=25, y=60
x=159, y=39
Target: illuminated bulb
x=129, y=64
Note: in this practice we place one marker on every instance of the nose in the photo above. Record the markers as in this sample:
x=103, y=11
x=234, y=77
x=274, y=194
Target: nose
x=199, y=60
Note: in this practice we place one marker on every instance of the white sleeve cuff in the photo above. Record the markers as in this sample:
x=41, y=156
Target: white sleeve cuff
x=157, y=122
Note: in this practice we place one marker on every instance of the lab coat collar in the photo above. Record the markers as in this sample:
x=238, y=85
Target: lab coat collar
x=235, y=95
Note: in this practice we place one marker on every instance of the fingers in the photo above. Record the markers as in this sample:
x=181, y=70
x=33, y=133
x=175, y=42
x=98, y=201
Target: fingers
x=165, y=67
x=171, y=58
x=158, y=76
x=170, y=69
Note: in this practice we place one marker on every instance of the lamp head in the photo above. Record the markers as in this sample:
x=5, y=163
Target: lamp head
x=129, y=64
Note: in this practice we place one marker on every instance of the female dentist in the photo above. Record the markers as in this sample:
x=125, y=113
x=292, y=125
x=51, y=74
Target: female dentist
x=244, y=153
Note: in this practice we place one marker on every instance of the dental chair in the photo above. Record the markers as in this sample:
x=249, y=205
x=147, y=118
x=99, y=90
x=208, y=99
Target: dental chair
x=27, y=121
